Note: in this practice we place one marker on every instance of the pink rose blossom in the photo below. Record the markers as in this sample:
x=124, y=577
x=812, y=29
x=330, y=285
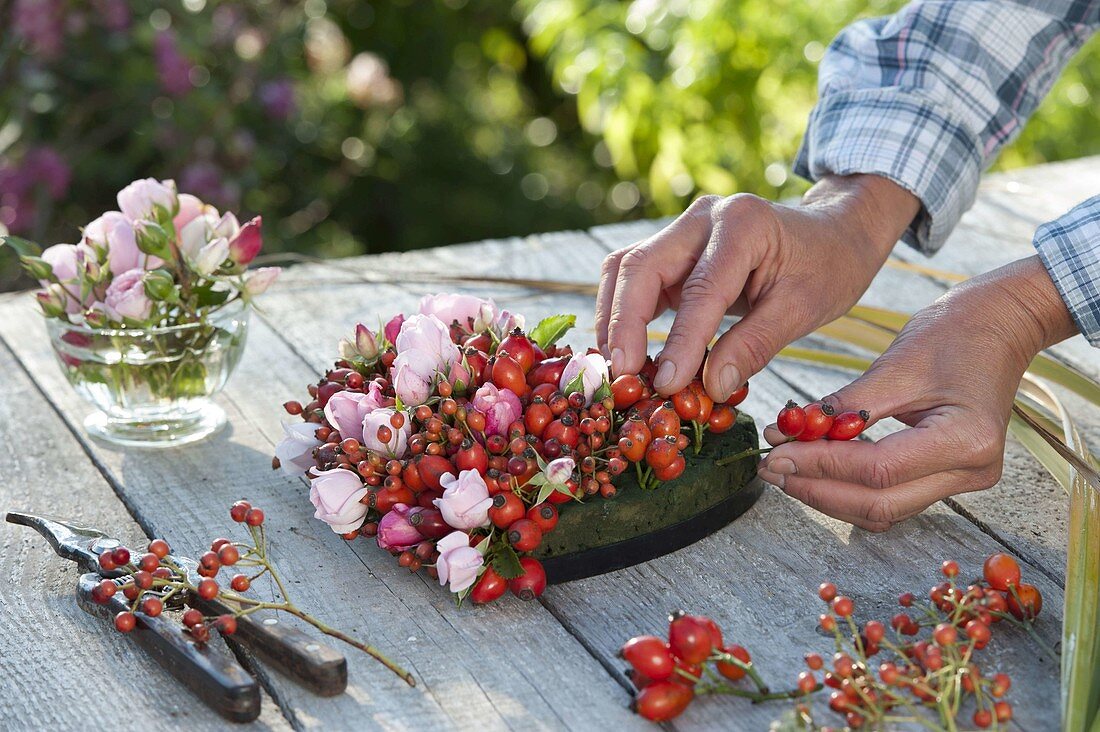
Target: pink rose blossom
x=257, y=281
x=469, y=311
x=126, y=298
x=346, y=410
x=593, y=368
x=365, y=342
x=190, y=209
x=560, y=470
x=398, y=443
x=395, y=533
x=68, y=261
x=429, y=334
x=336, y=494
x=501, y=407
x=412, y=374
x=115, y=233
x=295, y=451
x=458, y=563
x=140, y=199
x=246, y=243
x=460, y=375
x=394, y=327
x=466, y=500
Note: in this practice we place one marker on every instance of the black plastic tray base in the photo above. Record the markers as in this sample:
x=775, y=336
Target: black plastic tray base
x=645, y=547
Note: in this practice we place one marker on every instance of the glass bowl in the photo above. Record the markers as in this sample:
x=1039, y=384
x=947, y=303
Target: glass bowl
x=152, y=387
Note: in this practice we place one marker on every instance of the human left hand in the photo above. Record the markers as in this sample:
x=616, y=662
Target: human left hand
x=951, y=377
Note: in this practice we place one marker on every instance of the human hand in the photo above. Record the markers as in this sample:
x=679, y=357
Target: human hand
x=951, y=376
x=786, y=269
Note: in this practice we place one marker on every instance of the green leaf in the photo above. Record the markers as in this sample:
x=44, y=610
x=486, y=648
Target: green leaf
x=575, y=384
x=603, y=392
x=506, y=563
x=22, y=247
x=483, y=545
x=206, y=296
x=549, y=330
x=538, y=478
x=545, y=492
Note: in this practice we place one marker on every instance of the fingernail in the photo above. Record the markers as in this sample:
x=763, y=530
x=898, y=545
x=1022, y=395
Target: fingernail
x=777, y=479
x=782, y=465
x=665, y=374
x=729, y=379
x=617, y=357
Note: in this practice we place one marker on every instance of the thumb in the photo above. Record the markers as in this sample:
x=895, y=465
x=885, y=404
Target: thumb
x=882, y=392
x=747, y=347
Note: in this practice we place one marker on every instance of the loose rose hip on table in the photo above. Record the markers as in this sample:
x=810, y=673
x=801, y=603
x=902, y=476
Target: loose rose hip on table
x=457, y=438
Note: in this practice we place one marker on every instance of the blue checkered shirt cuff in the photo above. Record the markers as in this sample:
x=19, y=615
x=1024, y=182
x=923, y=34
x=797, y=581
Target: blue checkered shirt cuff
x=910, y=140
x=1070, y=249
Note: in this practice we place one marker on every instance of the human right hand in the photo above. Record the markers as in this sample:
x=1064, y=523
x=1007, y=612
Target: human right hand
x=786, y=269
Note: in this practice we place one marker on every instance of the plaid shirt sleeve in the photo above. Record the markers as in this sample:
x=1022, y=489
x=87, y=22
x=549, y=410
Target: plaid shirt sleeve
x=928, y=97
x=1070, y=250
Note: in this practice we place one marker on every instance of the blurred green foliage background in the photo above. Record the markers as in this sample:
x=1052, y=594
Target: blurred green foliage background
x=357, y=126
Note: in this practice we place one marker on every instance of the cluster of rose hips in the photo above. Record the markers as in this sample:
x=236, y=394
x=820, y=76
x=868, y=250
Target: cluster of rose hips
x=922, y=676
x=657, y=431
x=155, y=582
x=819, y=421
x=936, y=673
x=622, y=423
x=694, y=660
x=154, y=579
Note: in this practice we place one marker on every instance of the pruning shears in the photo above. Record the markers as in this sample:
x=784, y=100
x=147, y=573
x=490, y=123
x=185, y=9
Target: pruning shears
x=216, y=678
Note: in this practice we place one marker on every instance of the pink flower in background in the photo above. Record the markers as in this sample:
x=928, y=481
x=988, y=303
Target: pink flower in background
x=245, y=243
x=19, y=183
x=336, y=494
x=593, y=366
x=42, y=24
x=346, y=410
x=277, y=97
x=113, y=14
x=209, y=182
x=395, y=533
x=396, y=447
x=459, y=563
x=394, y=327
x=140, y=199
x=501, y=407
x=295, y=451
x=466, y=501
x=466, y=309
x=173, y=68
x=257, y=281
x=46, y=167
x=126, y=296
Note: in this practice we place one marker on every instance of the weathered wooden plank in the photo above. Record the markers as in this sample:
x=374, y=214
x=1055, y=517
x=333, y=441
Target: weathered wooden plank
x=757, y=577
x=511, y=666
x=55, y=659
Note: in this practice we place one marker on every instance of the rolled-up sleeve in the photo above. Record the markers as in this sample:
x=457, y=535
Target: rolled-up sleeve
x=1070, y=249
x=928, y=97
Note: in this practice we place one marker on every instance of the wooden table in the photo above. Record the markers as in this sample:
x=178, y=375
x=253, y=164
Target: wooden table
x=541, y=665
